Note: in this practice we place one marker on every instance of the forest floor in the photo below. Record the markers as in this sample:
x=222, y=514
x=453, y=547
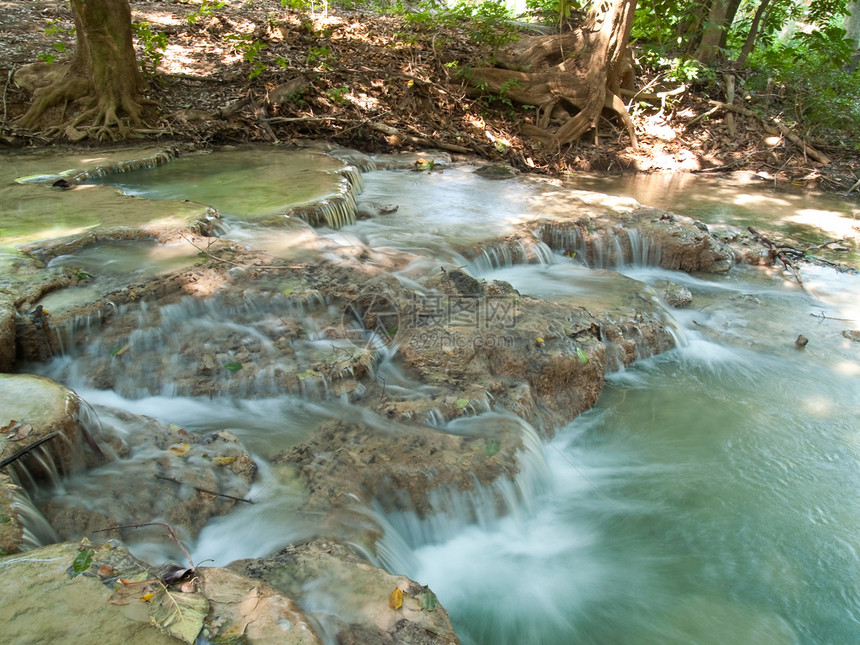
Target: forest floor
x=257, y=71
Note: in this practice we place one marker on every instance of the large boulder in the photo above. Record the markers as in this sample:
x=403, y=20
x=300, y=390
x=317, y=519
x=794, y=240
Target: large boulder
x=84, y=593
x=37, y=409
x=355, y=602
x=44, y=603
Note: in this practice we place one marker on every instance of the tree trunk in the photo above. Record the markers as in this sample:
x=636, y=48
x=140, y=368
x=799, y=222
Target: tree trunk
x=584, y=69
x=749, y=43
x=103, y=75
x=852, y=29
x=731, y=12
x=712, y=34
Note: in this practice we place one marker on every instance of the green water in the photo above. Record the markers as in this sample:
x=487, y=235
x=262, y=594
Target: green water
x=251, y=184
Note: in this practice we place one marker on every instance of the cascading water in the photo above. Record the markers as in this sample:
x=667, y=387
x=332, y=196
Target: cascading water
x=707, y=498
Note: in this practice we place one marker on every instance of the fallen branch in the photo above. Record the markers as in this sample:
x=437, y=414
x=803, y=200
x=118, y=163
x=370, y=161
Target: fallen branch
x=783, y=129
x=659, y=96
x=823, y=317
x=260, y=115
x=394, y=132
x=206, y=490
x=138, y=526
x=27, y=449
x=778, y=253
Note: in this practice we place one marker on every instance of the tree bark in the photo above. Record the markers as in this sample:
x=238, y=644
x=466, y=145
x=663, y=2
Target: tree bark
x=752, y=36
x=852, y=29
x=584, y=69
x=103, y=75
x=713, y=32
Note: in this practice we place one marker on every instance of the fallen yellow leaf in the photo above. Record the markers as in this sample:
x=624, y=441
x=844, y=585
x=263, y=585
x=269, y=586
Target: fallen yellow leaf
x=395, y=600
x=179, y=449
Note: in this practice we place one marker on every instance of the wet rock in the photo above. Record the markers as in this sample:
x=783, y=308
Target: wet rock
x=375, y=462
x=642, y=236
x=369, y=210
x=36, y=408
x=251, y=610
x=166, y=474
x=677, y=296
x=852, y=335
x=47, y=601
x=497, y=172
x=7, y=334
x=354, y=601
x=493, y=341
x=42, y=603
x=11, y=529
x=801, y=341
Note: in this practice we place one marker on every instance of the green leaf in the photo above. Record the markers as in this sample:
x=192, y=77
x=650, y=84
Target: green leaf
x=122, y=349
x=582, y=355
x=462, y=403
x=179, y=614
x=233, y=367
x=83, y=561
x=492, y=448
x=429, y=601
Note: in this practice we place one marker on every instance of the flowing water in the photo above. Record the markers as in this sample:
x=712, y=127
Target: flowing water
x=709, y=497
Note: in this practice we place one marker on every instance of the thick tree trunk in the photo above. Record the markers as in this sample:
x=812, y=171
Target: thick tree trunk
x=584, y=69
x=103, y=75
x=713, y=32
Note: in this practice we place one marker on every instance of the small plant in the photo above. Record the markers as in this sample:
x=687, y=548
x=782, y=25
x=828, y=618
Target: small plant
x=337, y=94
x=250, y=49
x=54, y=28
x=207, y=9
x=320, y=56
x=154, y=43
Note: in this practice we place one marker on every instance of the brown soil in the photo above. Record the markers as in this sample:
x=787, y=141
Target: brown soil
x=380, y=82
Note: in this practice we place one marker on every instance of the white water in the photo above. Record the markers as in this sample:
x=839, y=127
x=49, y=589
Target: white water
x=709, y=497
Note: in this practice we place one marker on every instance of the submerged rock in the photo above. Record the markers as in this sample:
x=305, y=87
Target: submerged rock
x=677, y=295
x=165, y=473
x=346, y=462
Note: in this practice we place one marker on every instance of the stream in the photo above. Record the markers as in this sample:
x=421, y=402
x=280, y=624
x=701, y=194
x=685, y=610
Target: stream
x=709, y=497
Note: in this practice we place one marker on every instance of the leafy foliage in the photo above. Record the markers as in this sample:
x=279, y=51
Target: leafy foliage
x=807, y=77
x=489, y=22
x=154, y=43
x=55, y=28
